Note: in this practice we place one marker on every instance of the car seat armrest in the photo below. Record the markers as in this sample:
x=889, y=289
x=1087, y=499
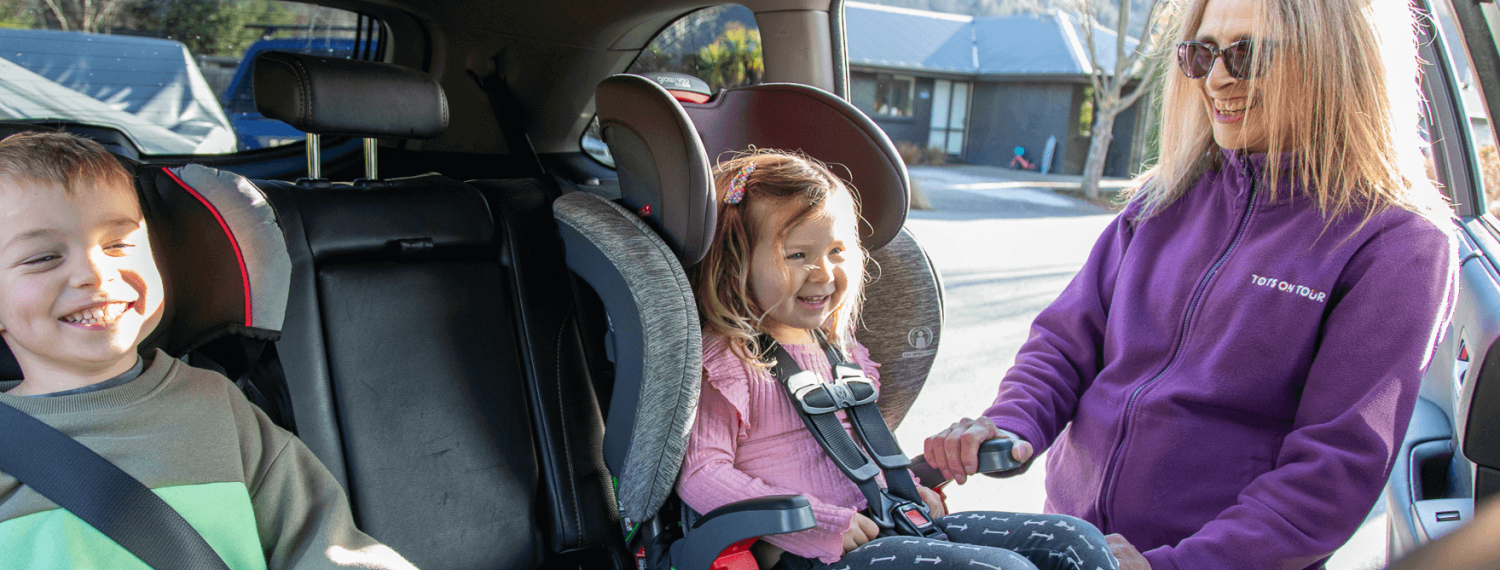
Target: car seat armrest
x=732, y=523
x=994, y=458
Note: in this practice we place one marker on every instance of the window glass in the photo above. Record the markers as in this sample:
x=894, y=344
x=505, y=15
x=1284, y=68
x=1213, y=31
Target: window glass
x=719, y=44
x=893, y=95
x=173, y=75
x=1471, y=104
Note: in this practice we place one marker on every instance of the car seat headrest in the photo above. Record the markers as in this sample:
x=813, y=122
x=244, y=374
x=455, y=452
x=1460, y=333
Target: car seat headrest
x=822, y=125
x=333, y=96
x=664, y=173
x=222, y=256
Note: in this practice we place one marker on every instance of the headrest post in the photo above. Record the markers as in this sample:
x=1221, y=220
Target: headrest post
x=314, y=156
x=372, y=172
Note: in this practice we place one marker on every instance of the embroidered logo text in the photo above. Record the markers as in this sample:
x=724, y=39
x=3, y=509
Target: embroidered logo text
x=1299, y=290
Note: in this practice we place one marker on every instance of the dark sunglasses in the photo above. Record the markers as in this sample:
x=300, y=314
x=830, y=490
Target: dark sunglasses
x=1197, y=59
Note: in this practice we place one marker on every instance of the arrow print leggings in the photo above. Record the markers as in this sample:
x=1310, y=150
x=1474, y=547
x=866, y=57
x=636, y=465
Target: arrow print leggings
x=981, y=540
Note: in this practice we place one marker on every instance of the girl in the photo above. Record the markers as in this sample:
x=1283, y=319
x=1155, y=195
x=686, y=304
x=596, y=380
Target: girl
x=1227, y=380
x=786, y=262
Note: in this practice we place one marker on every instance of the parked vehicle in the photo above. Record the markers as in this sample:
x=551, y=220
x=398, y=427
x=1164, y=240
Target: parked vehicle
x=148, y=88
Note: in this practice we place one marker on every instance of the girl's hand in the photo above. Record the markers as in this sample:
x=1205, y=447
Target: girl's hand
x=861, y=530
x=935, y=506
x=955, y=451
x=1129, y=557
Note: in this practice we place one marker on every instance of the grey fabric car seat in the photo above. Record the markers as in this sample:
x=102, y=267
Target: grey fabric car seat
x=903, y=335
x=633, y=253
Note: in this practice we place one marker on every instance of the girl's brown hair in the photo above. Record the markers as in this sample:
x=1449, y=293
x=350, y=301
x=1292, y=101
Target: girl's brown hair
x=721, y=281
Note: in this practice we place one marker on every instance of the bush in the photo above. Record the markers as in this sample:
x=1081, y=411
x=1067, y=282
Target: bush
x=912, y=154
x=1489, y=166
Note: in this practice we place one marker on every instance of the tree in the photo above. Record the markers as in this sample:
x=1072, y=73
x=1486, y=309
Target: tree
x=84, y=15
x=210, y=27
x=1132, y=66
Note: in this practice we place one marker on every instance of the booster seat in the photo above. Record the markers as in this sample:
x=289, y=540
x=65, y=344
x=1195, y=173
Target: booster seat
x=633, y=252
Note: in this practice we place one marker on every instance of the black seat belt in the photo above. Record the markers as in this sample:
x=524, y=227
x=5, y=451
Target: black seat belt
x=101, y=494
x=897, y=508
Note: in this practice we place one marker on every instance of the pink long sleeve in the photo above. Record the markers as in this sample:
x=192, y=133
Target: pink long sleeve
x=748, y=442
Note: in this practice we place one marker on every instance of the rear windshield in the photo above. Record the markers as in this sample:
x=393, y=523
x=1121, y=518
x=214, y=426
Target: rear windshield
x=174, y=77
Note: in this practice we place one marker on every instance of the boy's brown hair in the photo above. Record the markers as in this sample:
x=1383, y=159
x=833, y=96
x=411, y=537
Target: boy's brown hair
x=64, y=159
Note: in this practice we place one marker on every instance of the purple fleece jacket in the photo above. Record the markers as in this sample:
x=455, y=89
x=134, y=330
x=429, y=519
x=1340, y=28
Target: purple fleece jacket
x=1225, y=383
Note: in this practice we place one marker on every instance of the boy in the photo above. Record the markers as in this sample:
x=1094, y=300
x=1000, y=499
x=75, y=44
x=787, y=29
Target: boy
x=79, y=291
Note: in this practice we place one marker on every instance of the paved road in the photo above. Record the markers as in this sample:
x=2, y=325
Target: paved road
x=1006, y=249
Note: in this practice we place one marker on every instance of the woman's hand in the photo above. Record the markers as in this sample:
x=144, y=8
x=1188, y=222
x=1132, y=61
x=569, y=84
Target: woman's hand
x=935, y=506
x=861, y=530
x=955, y=451
x=1129, y=557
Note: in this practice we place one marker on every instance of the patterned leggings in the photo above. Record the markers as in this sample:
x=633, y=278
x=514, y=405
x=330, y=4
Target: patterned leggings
x=981, y=540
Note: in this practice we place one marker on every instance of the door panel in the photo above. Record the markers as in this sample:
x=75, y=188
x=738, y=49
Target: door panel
x=1457, y=420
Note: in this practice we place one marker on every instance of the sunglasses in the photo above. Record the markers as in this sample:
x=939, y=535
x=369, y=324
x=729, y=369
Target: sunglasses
x=1197, y=59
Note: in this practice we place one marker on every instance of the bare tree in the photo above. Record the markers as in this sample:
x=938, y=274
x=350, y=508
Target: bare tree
x=1131, y=67
x=83, y=15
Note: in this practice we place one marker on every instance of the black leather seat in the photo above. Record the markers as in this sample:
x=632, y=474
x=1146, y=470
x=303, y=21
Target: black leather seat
x=428, y=341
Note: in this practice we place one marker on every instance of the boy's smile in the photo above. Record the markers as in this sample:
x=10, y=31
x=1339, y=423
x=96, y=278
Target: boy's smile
x=79, y=288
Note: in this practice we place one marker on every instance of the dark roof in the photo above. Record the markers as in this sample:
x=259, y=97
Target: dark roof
x=1051, y=44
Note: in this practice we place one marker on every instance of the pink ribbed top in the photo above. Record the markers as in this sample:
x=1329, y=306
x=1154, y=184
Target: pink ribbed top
x=748, y=441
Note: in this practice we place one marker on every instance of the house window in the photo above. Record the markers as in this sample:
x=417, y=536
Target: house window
x=893, y=95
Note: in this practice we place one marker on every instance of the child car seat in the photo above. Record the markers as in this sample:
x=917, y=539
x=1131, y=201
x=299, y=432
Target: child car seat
x=666, y=189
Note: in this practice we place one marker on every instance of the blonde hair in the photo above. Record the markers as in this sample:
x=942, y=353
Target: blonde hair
x=721, y=281
x=1346, y=104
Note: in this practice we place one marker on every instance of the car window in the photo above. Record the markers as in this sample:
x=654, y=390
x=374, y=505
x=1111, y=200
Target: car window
x=719, y=44
x=174, y=77
x=1472, y=107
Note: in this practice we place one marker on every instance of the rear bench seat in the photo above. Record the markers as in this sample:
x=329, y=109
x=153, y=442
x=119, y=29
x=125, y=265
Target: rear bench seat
x=428, y=344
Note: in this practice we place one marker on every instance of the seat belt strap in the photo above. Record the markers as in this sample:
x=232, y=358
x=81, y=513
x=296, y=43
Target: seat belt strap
x=101, y=494
x=817, y=404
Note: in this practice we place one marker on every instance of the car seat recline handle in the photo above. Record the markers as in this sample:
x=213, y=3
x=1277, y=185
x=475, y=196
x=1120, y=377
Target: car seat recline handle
x=994, y=458
x=738, y=521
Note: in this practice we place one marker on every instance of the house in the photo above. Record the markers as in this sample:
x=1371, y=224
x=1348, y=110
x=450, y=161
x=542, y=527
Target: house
x=979, y=87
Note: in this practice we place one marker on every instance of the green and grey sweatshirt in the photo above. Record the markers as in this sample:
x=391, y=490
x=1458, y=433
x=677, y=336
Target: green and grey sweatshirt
x=254, y=491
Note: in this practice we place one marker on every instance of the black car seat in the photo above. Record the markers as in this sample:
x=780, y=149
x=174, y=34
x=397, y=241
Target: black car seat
x=632, y=254
x=411, y=370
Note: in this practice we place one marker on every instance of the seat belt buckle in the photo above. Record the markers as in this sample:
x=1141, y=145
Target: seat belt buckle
x=900, y=517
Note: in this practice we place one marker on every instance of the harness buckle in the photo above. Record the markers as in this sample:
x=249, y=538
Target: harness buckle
x=899, y=517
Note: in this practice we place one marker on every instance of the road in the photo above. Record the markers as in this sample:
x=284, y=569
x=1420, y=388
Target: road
x=1005, y=250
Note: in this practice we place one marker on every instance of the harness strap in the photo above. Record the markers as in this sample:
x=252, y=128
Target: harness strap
x=817, y=403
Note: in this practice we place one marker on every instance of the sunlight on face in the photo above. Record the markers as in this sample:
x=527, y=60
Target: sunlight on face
x=79, y=288
x=1239, y=120
x=804, y=282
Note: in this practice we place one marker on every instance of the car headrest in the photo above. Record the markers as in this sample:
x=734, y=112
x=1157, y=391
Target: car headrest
x=663, y=170
x=332, y=96
x=222, y=256
x=822, y=125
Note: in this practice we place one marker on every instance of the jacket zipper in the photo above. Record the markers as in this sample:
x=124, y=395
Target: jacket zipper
x=1106, y=492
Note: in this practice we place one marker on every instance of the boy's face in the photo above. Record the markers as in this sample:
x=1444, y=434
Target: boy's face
x=79, y=289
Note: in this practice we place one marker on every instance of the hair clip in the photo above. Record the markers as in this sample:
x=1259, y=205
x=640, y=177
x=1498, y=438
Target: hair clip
x=737, y=186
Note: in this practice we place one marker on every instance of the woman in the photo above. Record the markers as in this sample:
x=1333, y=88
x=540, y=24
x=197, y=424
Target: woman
x=1225, y=382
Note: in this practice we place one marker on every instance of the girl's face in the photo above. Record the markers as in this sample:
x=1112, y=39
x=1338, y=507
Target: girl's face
x=1239, y=122
x=802, y=283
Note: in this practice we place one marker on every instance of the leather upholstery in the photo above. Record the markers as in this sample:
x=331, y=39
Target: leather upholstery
x=576, y=488
x=405, y=370
x=333, y=96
